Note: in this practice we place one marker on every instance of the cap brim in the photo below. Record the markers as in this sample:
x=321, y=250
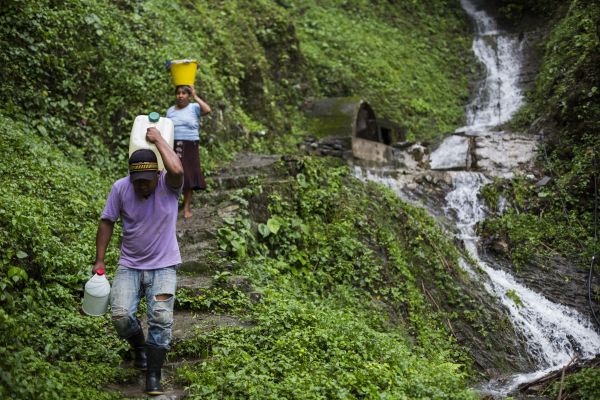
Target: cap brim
x=145, y=175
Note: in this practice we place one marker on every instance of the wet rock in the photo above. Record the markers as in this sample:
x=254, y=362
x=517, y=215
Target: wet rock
x=501, y=153
x=500, y=246
x=417, y=152
x=543, y=182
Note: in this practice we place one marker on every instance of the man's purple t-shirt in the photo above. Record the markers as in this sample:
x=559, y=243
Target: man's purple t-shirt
x=149, y=225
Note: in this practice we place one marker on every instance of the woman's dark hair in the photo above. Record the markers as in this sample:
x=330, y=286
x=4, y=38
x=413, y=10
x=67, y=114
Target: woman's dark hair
x=185, y=88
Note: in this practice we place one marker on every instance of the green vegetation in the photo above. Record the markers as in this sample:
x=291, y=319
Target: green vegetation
x=511, y=294
x=397, y=55
x=76, y=73
x=520, y=13
x=48, y=213
x=357, y=298
x=584, y=385
x=345, y=314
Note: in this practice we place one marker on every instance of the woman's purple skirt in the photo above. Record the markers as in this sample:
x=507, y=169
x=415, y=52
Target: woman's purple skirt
x=189, y=154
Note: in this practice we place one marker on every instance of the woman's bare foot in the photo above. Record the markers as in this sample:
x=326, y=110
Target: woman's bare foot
x=187, y=203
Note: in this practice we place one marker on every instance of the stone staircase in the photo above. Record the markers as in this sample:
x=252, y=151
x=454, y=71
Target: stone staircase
x=204, y=266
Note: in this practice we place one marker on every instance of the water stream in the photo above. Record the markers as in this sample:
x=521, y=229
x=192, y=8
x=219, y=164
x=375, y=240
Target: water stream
x=499, y=95
x=555, y=334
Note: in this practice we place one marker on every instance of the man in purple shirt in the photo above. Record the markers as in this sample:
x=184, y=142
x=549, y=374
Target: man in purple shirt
x=146, y=201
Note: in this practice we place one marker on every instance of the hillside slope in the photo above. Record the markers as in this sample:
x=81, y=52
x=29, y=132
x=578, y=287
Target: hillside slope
x=74, y=76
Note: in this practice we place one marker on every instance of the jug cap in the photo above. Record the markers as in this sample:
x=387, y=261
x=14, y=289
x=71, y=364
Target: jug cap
x=100, y=271
x=153, y=116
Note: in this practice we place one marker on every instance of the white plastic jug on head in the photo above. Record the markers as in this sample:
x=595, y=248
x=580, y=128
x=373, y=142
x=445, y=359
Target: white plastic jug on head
x=137, y=140
x=96, y=294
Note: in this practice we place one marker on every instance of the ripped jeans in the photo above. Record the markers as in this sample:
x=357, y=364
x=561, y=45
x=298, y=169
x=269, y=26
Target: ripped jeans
x=128, y=287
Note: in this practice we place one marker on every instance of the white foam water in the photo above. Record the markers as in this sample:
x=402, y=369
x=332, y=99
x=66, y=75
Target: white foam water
x=499, y=95
x=555, y=333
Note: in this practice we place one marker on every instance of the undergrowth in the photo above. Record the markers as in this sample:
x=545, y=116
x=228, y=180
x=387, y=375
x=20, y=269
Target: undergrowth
x=343, y=314
x=76, y=73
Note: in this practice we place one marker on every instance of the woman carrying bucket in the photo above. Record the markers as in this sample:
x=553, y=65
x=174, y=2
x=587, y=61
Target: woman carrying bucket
x=186, y=120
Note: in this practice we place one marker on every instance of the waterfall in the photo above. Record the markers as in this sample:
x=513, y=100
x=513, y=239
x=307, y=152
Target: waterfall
x=499, y=96
x=555, y=333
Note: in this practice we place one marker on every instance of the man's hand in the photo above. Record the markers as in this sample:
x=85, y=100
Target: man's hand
x=98, y=265
x=153, y=135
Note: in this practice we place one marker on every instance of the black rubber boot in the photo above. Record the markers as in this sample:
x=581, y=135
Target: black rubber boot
x=156, y=358
x=138, y=344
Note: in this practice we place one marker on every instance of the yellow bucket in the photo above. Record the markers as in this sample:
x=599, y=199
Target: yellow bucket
x=183, y=71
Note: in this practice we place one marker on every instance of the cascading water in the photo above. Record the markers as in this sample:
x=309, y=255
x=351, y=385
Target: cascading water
x=499, y=96
x=496, y=99
x=555, y=333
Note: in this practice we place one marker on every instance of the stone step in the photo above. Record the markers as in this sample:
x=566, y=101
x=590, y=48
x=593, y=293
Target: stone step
x=189, y=324
x=203, y=218
x=202, y=259
x=217, y=195
x=133, y=387
x=196, y=283
x=212, y=198
x=233, y=181
x=196, y=252
x=252, y=161
x=207, y=264
x=191, y=235
x=200, y=285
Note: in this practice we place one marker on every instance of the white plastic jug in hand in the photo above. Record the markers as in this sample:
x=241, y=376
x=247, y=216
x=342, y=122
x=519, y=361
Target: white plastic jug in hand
x=137, y=140
x=96, y=294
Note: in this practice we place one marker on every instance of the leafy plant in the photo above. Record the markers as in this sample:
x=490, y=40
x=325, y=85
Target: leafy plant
x=511, y=294
x=584, y=385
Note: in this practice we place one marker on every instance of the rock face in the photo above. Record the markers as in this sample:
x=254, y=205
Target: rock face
x=502, y=351
x=495, y=153
x=420, y=172
x=500, y=153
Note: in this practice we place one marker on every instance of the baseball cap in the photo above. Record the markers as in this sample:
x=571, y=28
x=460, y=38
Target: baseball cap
x=143, y=165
